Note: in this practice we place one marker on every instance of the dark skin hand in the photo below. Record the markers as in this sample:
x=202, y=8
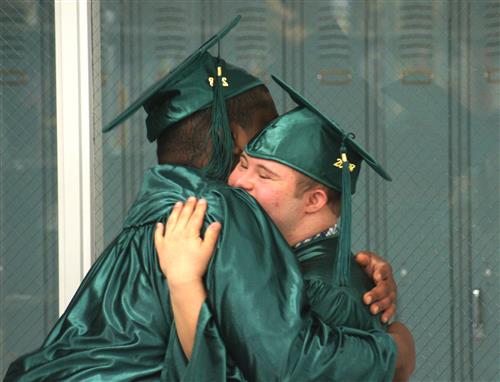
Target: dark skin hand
x=382, y=298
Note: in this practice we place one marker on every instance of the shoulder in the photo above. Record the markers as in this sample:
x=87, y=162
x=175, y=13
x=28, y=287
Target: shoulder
x=233, y=205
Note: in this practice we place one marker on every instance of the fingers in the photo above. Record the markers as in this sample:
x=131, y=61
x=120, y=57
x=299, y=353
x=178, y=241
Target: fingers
x=187, y=218
x=382, y=273
x=381, y=299
x=380, y=292
x=388, y=314
x=381, y=305
x=174, y=217
x=374, y=266
x=186, y=212
x=160, y=228
x=363, y=259
x=196, y=220
x=211, y=236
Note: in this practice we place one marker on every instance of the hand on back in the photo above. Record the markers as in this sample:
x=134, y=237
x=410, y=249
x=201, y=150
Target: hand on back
x=382, y=298
x=182, y=252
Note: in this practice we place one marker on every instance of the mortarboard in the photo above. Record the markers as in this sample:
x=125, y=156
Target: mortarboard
x=197, y=83
x=308, y=141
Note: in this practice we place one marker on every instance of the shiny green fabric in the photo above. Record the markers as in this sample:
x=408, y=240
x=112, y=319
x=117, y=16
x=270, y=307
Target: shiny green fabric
x=192, y=92
x=301, y=140
x=336, y=304
x=309, y=141
x=333, y=304
x=119, y=324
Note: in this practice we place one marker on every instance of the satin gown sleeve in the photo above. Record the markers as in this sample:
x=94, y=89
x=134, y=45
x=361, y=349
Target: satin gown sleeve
x=335, y=304
x=117, y=325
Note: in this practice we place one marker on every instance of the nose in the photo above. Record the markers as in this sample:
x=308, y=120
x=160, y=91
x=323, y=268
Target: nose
x=244, y=182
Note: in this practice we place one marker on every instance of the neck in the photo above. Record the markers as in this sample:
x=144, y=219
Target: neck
x=310, y=225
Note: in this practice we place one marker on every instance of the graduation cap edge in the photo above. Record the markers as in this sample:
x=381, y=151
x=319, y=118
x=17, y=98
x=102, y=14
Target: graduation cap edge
x=136, y=105
x=301, y=101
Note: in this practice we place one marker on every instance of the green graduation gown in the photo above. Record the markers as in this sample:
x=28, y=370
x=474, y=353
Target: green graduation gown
x=119, y=324
x=334, y=305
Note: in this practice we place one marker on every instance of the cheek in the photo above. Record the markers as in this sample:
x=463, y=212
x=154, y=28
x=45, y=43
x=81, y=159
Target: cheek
x=268, y=198
x=276, y=202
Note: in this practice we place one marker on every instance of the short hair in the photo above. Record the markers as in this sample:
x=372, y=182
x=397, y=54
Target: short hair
x=187, y=142
x=305, y=183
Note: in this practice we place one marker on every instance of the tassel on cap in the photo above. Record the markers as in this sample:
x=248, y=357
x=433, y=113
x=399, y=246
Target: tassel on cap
x=343, y=270
x=221, y=138
x=319, y=140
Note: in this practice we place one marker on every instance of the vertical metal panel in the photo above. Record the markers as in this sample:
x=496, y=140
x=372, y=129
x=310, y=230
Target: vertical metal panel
x=414, y=83
x=482, y=70
x=375, y=133
x=112, y=96
x=28, y=185
x=97, y=83
x=459, y=197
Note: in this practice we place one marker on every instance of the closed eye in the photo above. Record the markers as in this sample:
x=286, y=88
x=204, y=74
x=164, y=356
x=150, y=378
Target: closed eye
x=264, y=176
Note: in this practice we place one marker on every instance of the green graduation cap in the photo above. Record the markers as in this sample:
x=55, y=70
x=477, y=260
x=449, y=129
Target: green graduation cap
x=197, y=83
x=311, y=143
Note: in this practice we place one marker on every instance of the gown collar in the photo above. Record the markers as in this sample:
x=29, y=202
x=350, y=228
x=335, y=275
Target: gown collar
x=329, y=232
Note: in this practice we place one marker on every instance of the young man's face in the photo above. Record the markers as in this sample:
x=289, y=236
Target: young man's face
x=273, y=185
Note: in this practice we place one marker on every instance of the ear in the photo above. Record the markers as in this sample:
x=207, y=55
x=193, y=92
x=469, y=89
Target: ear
x=316, y=199
x=240, y=138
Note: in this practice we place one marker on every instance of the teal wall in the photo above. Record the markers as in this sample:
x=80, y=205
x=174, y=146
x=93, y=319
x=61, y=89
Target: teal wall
x=28, y=177
x=417, y=81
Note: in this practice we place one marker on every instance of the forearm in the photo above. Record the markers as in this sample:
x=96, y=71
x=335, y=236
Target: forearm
x=405, y=363
x=187, y=299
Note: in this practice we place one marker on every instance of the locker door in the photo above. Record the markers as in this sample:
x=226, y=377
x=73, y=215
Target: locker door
x=257, y=43
x=482, y=100
x=338, y=75
x=415, y=87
